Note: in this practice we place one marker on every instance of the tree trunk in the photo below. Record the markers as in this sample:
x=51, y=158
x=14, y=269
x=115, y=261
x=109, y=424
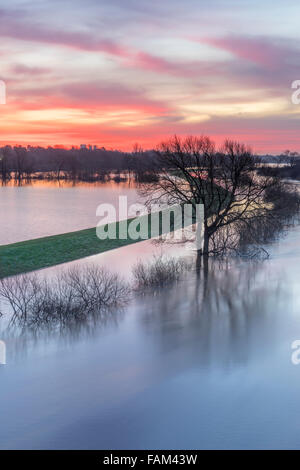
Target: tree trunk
x=206, y=243
x=199, y=260
x=203, y=253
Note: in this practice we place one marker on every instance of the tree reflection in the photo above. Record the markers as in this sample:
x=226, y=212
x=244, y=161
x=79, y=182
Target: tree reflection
x=220, y=315
x=20, y=338
x=76, y=303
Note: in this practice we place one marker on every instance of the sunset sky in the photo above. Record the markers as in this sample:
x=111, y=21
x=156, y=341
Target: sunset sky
x=115, y=72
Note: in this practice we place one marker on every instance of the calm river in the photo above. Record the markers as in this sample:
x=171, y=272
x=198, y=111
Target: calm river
x=205, y=363
x=49, y=208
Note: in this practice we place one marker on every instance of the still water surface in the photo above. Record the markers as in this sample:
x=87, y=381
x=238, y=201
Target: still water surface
x=46, y=208
x=203, y=364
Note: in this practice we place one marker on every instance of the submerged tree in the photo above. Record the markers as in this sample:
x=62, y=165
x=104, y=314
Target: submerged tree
x=225, y=181
x=72, y=296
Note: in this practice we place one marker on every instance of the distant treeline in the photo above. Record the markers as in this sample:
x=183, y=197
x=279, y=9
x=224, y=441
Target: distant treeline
x=287, y=169
x=98, y=164
x=285, y=165
x=25, y=163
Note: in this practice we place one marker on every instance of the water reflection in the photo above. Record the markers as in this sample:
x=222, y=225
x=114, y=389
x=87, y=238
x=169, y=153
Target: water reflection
x=76, y=301
x=111, y=183
x=218, y=315
x=44, y=208
x=20, y=339
x=221, y=317
x=204, y=363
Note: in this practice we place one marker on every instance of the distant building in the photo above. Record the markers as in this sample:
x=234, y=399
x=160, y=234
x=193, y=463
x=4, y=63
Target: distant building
x=88, y=147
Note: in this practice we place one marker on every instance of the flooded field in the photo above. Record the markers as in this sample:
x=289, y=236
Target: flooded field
x=205, y=363
x=49, y=208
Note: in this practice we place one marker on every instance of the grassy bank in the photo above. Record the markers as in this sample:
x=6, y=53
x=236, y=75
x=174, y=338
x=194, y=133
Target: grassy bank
x=44, y=252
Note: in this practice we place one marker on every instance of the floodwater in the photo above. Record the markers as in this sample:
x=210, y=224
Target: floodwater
x=203, y=364
x=45, y=208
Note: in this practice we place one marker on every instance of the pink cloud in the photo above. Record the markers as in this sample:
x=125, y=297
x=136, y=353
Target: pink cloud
x=91, y=96
x=260, y=51
x=21, y=69
x=14, y=29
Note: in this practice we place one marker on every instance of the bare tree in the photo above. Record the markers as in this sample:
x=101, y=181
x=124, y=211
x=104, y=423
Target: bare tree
x=4, y=165
x=192, y=171
x=20, y=162
x=58, y=159
x=159, y=271
x=71, y=296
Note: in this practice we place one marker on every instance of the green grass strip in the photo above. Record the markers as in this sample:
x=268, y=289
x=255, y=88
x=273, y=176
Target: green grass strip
x=44, y=252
